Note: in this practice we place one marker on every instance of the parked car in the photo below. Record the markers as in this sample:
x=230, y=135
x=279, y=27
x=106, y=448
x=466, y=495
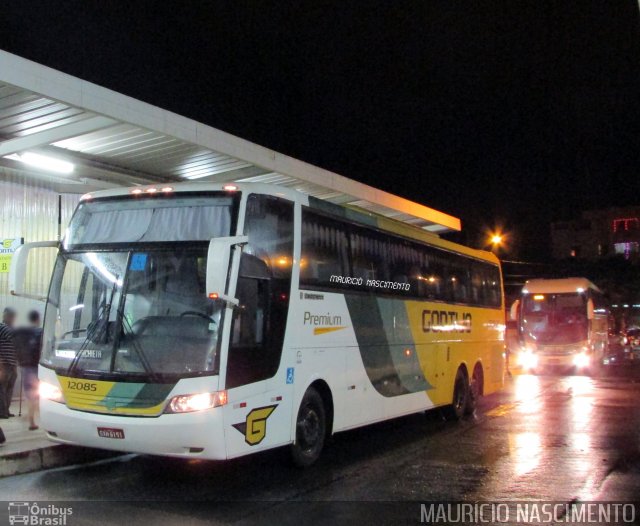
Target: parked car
x=624, y=349
x=632, y=337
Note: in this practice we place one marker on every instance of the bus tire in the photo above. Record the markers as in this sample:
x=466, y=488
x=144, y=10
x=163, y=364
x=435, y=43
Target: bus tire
x=311, y=430
x=475, y=390
x=456, y=410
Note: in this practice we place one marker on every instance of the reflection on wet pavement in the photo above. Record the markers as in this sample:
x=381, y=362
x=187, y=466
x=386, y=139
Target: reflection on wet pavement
x=543, y=437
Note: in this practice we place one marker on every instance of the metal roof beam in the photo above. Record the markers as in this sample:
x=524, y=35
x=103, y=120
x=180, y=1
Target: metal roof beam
x=51, y=135
x=104, y=175
x=63, y=184
x=78, y=93
x=88, y=164
x=234, y=175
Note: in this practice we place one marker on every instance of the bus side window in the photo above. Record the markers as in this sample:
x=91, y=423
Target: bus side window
x=433, y=275
x=369, y=251
x=324, y=250
x=459, y=282
x=263, y=288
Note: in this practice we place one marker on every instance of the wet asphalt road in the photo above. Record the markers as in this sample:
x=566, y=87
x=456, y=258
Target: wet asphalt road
x=543, y=437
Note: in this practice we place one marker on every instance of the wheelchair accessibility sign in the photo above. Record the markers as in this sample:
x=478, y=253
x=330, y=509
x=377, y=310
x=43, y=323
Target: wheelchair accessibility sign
x=290, y=371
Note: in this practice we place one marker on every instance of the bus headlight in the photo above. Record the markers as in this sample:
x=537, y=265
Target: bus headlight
x=528, y=359
x=581, y=360
x=49, y=391
x=196, y=402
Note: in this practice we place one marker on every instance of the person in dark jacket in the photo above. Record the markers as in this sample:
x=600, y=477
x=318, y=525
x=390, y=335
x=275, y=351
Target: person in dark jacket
x=28, y=341
x=8, y=361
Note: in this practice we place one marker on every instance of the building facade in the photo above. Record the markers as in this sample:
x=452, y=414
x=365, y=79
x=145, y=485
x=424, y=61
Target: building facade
x=598, y=234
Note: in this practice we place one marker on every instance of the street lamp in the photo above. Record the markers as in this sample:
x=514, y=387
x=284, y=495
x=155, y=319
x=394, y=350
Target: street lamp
x=496, y=241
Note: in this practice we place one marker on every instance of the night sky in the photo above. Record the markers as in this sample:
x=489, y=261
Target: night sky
x=511, y=113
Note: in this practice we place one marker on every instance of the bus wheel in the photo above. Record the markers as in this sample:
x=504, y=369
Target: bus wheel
x=460, y=397
x=475, y=390
x=311, y=429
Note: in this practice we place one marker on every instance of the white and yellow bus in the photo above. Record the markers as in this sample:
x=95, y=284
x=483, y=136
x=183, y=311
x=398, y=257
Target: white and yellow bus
x=213, y=321
x=561, y=324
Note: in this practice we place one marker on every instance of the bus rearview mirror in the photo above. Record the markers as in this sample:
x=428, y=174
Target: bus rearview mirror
x=218, y=264
x=513, y=314
x=18, y=268
x=590, y=309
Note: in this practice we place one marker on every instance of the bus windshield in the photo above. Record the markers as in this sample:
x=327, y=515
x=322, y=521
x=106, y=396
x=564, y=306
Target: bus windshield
x=555, y=318
x=132, y=313
x=168, y=218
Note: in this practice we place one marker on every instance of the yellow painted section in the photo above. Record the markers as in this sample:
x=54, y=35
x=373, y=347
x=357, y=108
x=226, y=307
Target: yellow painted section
x=257, y=424
x=441, y=352
x=90, y=395
x=325, y=330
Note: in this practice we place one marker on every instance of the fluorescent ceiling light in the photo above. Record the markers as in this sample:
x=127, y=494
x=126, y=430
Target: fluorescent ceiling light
x=44, y=162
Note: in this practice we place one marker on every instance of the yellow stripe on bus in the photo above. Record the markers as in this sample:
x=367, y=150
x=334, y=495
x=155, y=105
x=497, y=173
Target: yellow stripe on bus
x=325, y=330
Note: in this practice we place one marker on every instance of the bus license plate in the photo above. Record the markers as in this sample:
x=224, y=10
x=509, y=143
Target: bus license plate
x=110, y=432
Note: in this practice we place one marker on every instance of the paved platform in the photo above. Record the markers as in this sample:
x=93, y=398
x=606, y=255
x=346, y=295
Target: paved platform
x=19, y=438
x=26, y=451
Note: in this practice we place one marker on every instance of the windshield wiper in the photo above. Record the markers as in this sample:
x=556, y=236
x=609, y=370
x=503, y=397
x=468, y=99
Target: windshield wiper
x=136, y=345
x=101, y=325
x=84, y=329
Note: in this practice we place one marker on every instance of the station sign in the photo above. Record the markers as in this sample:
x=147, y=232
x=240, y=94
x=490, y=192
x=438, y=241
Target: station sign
x=7, y=248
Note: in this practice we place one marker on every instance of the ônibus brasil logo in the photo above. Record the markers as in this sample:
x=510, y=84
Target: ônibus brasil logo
x=38, y=514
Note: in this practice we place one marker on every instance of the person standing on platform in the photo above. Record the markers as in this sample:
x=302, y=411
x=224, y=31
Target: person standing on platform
x=8, y=361
x=28, y=342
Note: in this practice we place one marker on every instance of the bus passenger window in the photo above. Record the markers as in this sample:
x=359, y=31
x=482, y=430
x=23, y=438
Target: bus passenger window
x=324, y=250
x=369, y=256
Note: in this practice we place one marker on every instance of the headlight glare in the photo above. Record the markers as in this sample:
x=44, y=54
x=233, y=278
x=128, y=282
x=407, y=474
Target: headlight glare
x=528, y=359
x=581, y=360
x=49, y=391
x=196, y=402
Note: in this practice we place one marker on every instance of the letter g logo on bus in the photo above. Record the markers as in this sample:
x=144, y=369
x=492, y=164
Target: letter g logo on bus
x=254, y=428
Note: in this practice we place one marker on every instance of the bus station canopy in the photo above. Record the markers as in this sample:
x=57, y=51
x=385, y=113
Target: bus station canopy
x=112, y=140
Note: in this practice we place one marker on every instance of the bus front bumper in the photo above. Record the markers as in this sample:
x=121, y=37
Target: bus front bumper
x=579, y=360
x=187, y=435
x=561, y=362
